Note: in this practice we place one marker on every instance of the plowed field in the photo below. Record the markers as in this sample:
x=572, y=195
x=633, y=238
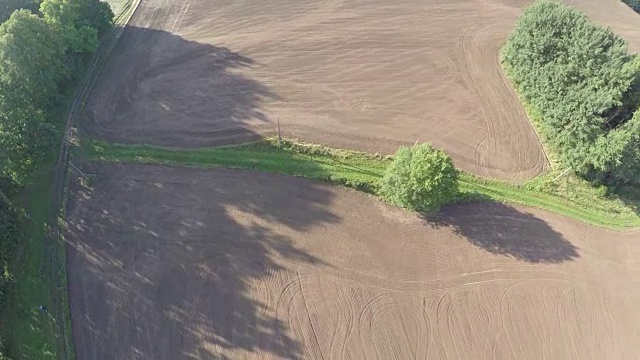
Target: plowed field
x=366, y=75
x=177, y=263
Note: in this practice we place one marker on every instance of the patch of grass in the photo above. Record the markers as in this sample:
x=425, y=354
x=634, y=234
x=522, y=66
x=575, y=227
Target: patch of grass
x=348, y=168
x=568, y=196
x=30, y=333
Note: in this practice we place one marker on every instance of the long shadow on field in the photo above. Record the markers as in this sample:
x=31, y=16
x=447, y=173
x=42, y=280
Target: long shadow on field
x=177, y=263
x=505, y=230
x=161, y=89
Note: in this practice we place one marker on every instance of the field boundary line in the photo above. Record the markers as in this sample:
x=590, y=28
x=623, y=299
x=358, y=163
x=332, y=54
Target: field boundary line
x=534, y=121
x=55, y=243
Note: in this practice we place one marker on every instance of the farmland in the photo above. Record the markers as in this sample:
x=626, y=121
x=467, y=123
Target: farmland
x=170, y=263
x=360, y=75
x=193, y=255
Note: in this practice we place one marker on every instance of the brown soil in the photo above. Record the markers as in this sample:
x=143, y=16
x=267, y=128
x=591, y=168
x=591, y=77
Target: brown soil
x=177, y=263
x=366, y=75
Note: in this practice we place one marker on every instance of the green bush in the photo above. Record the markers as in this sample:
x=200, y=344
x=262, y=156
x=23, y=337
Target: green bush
x=585, y=86
x=420, y=178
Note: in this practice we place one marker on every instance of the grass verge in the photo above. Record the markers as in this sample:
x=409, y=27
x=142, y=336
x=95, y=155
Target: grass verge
x=568, y=196
x=30, y=333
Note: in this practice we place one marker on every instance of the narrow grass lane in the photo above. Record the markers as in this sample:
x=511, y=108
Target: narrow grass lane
x=568, y=195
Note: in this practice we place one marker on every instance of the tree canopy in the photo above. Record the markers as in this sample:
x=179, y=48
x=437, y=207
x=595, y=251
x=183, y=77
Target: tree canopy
x=585, y=85
x=420, y=178
x=38, y=55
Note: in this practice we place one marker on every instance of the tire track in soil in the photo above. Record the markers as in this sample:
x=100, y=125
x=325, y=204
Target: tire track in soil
x=308, y=317
x=284, y=306
x=588, y=311
x=458, y=329
x=527, y=310
x=402, y=324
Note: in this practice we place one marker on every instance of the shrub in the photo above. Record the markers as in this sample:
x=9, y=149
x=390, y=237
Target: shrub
x=420, y=178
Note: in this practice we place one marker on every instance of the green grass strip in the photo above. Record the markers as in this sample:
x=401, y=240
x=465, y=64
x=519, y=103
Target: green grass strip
x=568, y=196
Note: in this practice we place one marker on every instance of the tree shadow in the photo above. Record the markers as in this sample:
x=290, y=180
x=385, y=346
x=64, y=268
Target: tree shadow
x=177, y=263
x=159, y=88
x=504, y=230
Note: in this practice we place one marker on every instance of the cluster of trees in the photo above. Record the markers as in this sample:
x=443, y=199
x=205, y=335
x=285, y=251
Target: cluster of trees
x=583, y=84
x=40, y=53
x=43, y=47
x=420, y=178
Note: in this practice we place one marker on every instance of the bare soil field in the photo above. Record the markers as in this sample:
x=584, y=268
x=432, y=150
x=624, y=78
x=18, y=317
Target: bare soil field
x=178, y=263
x=366, y=75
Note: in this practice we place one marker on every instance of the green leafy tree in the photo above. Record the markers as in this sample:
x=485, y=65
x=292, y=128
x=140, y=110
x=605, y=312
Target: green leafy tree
x=31, y=67
x=79, y=14
x=583, y=82
x=64, y=16
x=420, y=178
x=31, y=60
x=38, y=54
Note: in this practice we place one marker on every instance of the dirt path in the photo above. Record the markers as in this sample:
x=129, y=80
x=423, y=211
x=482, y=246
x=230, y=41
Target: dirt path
x=365, y=75
x=175, y=263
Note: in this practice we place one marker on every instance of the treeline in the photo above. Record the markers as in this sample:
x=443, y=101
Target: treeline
x=44, y=45
x=39, y=55
x=583, y=86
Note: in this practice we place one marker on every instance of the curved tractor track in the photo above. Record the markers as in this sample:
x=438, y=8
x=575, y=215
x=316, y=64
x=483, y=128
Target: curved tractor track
x=176, y=263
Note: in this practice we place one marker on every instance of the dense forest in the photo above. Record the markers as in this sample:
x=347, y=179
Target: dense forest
x=44, y=45
x=584, y=88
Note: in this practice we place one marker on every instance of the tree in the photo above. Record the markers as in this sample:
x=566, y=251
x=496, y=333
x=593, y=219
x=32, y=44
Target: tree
x=37, y=57
x=31, y=67
x=31, y=60
x=582, y=81
x=420, y=178
x=63, y=16
x=79, y=14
